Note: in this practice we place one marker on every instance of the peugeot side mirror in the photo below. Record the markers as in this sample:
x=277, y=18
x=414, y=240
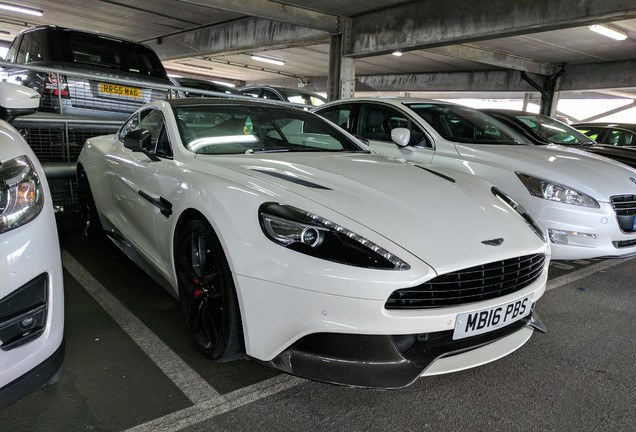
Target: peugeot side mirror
x=401, y=136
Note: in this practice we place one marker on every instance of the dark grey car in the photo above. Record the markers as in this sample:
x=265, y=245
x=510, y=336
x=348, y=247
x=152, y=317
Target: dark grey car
x=105, y=59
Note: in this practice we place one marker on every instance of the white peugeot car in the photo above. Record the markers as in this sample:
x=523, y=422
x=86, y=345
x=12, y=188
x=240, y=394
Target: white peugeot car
x=287, y=241
x=31, y=291
x=584, y=202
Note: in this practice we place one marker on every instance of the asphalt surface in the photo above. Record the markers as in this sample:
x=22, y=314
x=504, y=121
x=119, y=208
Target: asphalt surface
x=129, y=366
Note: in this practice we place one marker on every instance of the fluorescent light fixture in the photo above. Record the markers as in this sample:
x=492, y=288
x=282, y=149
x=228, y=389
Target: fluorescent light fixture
x=397, y=53
x=268, y=60
x=20, y=9
x=608, y=31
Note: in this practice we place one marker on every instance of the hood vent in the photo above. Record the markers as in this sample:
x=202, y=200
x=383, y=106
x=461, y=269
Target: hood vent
x=445, y=177
x=292, y=179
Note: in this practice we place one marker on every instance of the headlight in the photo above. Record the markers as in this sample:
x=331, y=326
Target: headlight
x=313, y=235
x=555, y=192
x=519, y=209
x=21, y=194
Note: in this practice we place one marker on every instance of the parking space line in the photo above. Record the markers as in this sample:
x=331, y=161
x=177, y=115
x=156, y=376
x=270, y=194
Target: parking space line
x=220, y=405
x=584, y=272
x=183, y=376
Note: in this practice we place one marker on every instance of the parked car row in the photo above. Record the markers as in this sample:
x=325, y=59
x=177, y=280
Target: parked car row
x=585, y=203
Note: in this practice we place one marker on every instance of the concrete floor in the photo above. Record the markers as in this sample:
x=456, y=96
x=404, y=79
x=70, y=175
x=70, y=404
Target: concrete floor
x=130, y=366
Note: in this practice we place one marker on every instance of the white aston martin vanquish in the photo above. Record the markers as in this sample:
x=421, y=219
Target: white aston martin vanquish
x=290, y=243
x=585, y=203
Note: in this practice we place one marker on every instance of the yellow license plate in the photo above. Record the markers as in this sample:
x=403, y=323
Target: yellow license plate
x=120, y=90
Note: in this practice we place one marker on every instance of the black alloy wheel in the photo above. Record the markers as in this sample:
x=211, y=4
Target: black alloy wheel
x=89, y=219
x=207, y=294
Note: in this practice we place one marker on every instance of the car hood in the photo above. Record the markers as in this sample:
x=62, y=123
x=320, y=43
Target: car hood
x=417, y=208
x=589, y=173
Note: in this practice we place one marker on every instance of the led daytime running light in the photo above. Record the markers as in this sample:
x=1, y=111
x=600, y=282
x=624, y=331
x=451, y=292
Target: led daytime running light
x=398, y=264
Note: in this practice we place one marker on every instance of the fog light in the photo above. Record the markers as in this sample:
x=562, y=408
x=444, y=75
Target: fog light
x=561, y=236
x=27, y=323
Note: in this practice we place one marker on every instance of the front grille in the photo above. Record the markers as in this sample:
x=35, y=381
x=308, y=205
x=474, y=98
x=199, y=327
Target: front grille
x=624, y=243
x=624, y=205
x=625, y=208
x=470, y=285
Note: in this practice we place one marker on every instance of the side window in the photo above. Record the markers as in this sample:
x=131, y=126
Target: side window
x=23, y=49
x=131, y=124
x=252, y=92
x=340, y=115
x=152, y=120
x=35, y=50
x=377, y=122
x=268, y=94
x=13, y=50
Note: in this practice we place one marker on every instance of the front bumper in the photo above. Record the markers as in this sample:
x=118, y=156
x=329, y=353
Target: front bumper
x=44, y=373
x=610, y=241
x=386, y=361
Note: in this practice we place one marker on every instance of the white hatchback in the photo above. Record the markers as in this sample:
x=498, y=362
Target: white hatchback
x=585, y=203
x=31, y=290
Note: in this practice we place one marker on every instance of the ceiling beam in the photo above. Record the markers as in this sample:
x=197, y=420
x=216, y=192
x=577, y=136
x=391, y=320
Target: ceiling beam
x=595, y=76
x=244, y=35
x=495, y=58
x=424, y=24
x=276, y=11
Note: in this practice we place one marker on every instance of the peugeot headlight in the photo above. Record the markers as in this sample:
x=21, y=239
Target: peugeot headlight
x=519, y=209
x=21, y=193
x=552, y=191
x=313, y=235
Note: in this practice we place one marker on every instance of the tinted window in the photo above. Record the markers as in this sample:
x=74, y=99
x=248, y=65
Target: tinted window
x=466, y=125
x=553, y=130
x=340, y=115
x=102, y=51
x=268, y=94
x=377, y=122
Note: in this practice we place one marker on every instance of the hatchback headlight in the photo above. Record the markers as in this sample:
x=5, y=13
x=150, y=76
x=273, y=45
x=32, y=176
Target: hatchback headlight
x=522, y=212
x=313, y=235
x=552, y=191
x=21, y=193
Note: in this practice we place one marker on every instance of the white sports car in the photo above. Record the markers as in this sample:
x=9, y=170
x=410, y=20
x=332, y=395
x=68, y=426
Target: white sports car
x=584, y=202
x=31, y=290
x=289, y=242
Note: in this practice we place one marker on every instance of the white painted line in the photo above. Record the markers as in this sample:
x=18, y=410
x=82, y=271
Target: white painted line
x=220, y=405
x=207, y=401
x=584, y=272
x=184, y=377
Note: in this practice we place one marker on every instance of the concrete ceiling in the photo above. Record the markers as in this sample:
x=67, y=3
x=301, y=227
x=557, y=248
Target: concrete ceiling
x=448, y=45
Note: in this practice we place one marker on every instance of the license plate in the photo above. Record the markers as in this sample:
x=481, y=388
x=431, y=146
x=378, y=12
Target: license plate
x=119, y=90
x=485, y=320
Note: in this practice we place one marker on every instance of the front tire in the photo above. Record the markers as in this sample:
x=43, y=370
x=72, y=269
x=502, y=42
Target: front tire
x=207, y=293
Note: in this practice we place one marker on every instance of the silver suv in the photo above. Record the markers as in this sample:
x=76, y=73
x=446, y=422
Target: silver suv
x=99, y=62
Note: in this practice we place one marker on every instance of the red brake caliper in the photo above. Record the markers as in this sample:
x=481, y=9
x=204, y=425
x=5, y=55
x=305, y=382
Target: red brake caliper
x=197, y=292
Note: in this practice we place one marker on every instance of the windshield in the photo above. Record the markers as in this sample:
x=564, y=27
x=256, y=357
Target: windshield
x=217, y=129
x=466, y=125
x=553, y=130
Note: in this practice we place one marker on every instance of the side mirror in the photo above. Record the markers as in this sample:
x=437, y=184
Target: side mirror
x=138, y=140
x=401, y=136
x=17, y=100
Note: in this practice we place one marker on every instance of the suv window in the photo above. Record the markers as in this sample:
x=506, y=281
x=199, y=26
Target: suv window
x=92, y=49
